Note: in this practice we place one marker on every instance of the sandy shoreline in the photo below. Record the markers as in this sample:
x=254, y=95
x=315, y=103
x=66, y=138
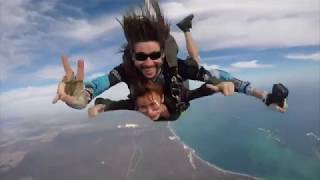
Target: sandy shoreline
x=177, y=138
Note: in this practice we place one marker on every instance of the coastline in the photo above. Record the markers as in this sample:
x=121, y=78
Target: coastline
x=194, y=154
x=115, y=149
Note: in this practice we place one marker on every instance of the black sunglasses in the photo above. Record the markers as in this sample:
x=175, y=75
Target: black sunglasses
x=141, y=56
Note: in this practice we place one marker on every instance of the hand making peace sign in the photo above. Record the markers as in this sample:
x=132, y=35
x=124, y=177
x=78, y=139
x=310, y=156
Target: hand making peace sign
x=71, y=88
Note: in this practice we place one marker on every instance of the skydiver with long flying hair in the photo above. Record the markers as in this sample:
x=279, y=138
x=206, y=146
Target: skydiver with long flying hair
x=150, y=56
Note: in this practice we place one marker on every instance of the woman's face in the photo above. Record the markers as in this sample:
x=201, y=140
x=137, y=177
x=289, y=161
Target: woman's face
x=147, y=58
x=150, y=105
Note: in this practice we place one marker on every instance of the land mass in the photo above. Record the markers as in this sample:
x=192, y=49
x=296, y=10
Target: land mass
x=127, y=148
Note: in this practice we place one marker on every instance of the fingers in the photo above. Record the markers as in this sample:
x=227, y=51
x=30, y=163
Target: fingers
x=227, y=88
x=75, y=99
x=95, y=110
x=61, y=94
x=213, y=88
x=282, y=108
x=230, y=87
x=67, y=67
x=80, y=70
x=225, y=92
x=55, y=99
x=60, y=91
x=68, y=70
x=67, y=98
x=92, y=112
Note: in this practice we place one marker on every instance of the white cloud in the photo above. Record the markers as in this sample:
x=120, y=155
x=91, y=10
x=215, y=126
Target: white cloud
x=56, y=72
x=29, y=101
x=29, y=110
x=255, y=23
x=13, y=14
x=87, y=30
x=32, y=32
x=8, y=61
x=99, y=58
x=216, y=58
x=212, y=66
x=50, y=72
x=249, y=65
x=93, y=61
x=303, y=56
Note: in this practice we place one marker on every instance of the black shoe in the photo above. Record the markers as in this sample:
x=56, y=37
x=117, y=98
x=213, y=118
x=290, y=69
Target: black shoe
x=186, y=24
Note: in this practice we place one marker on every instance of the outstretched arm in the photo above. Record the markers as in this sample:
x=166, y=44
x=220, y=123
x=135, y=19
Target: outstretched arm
x=102, y=83
x=103, y=105
x=277, y=98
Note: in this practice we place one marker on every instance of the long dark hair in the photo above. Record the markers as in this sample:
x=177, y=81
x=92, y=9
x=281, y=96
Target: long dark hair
x=145, y=24
x=141, y=25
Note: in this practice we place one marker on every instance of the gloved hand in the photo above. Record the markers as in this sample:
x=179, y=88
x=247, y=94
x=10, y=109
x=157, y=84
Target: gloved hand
x=278, y=97
x=71, y=88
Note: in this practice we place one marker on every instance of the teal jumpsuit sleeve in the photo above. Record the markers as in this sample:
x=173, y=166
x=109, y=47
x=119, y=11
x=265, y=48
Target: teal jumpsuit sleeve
x=102, y=83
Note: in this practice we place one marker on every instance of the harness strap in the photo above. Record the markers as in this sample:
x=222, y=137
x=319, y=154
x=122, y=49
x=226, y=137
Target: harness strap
x=176, y=87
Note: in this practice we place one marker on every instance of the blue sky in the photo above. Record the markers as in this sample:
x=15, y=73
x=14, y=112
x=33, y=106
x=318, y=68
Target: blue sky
x=256, y=40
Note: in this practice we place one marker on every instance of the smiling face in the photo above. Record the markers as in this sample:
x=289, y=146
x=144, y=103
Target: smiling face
x=147, y=58
x=149, y=100
x=150, y=104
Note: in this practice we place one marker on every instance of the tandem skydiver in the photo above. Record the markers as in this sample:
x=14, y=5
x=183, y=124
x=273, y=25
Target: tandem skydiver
x=147, y=100
x=144, y=60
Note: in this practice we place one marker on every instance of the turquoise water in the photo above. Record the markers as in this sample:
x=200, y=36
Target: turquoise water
x=240, y=134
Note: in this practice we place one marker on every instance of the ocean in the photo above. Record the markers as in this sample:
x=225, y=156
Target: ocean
x=239, y=133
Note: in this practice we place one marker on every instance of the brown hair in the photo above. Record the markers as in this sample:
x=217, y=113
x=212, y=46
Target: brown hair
x=143, y=25
x=148, y=88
